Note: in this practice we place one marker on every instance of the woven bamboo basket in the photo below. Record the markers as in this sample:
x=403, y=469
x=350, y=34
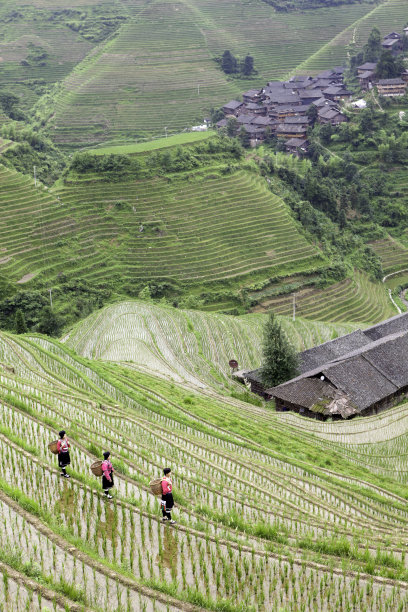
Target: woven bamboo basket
x=96, y=468
x=155, y=486
x=53, y=446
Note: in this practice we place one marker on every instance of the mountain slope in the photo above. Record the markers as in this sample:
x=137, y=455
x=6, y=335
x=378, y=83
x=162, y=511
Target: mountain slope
x=159, y=71
x=209, y=227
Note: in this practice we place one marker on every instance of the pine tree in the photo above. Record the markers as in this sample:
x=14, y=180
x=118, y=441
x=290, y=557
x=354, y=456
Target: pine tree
x=247, y=65
x=228, y=63
x=232, y=127
x=387, y=67
x=280, y=361
x=49, y=324
x=372, y=49
x=20, y=322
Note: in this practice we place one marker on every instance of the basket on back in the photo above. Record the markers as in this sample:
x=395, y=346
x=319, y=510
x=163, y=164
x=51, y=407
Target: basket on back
x=53, y=446
x=155, y=486
x=96, y=468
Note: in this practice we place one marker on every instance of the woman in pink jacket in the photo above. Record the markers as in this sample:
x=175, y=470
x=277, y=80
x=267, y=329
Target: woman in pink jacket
x=63, y=447
x=107, y=474
x=167, y=502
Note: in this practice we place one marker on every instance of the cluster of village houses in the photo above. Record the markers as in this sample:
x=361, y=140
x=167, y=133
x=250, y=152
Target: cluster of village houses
x=281, y=108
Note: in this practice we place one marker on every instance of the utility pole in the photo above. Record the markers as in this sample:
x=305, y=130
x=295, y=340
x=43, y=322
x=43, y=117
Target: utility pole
x=35, y=177
x=198, y=89
x=50, y=290
x=165, y=129
x=294, y=307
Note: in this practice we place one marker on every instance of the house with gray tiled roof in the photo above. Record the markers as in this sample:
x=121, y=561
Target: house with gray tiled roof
x=361, y=373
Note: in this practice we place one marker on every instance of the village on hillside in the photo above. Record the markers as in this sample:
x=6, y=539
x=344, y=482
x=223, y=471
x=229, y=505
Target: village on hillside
x=284, y=108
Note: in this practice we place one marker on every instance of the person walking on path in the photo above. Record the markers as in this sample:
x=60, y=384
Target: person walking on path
x=63, y=447
x=107, y=474
x=167, y=501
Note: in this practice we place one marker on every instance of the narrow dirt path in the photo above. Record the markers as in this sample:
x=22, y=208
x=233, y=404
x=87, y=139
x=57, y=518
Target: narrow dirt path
x=401, y=294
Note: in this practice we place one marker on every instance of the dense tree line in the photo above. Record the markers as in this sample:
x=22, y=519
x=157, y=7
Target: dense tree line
x=171, y=160
x=30, y=310
x=285, y=6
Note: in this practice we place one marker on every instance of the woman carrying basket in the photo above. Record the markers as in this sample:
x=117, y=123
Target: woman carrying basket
x=167, y=501
x=107, y=474
x=63, y=447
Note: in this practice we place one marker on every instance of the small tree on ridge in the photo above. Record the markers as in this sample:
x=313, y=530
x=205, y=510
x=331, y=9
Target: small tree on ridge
x=280, y=362
x=21, y=325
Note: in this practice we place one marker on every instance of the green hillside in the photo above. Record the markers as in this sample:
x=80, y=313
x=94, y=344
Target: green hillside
x=273, y=511
x=211, y=227
x=387, y=16
x=159, y=71
x=394, y=255
x=97, y=72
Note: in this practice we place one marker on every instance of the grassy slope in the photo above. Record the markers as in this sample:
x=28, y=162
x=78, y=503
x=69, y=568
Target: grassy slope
x=309, y=493
x=147, y=77
x=153, y=145
x=186, y=345
x=24, y=27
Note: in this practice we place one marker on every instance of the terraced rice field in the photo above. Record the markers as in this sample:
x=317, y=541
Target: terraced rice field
x=190, y=230
x=26, y=28
x=279, y=42
x=353, y=299
x=157, y=74
x=387, y=17
x=273, y=511
x=394, y=256
x=188, y=346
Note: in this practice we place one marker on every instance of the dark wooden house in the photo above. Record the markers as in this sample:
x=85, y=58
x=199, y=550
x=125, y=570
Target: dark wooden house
x=297, y=146
x=232, y=108
x=253, y=95
x=391, y=87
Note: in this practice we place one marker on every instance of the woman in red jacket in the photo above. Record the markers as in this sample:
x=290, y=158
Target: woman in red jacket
x=167, y=502
x=63, y=447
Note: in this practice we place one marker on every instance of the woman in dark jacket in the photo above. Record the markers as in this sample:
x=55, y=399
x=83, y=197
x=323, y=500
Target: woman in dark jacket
x=63, y=447
x=107, y=474
x=167, y=502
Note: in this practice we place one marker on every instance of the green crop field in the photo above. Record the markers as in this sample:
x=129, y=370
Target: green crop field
x=273, y=511
x=153, y=145
x=394, y=256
